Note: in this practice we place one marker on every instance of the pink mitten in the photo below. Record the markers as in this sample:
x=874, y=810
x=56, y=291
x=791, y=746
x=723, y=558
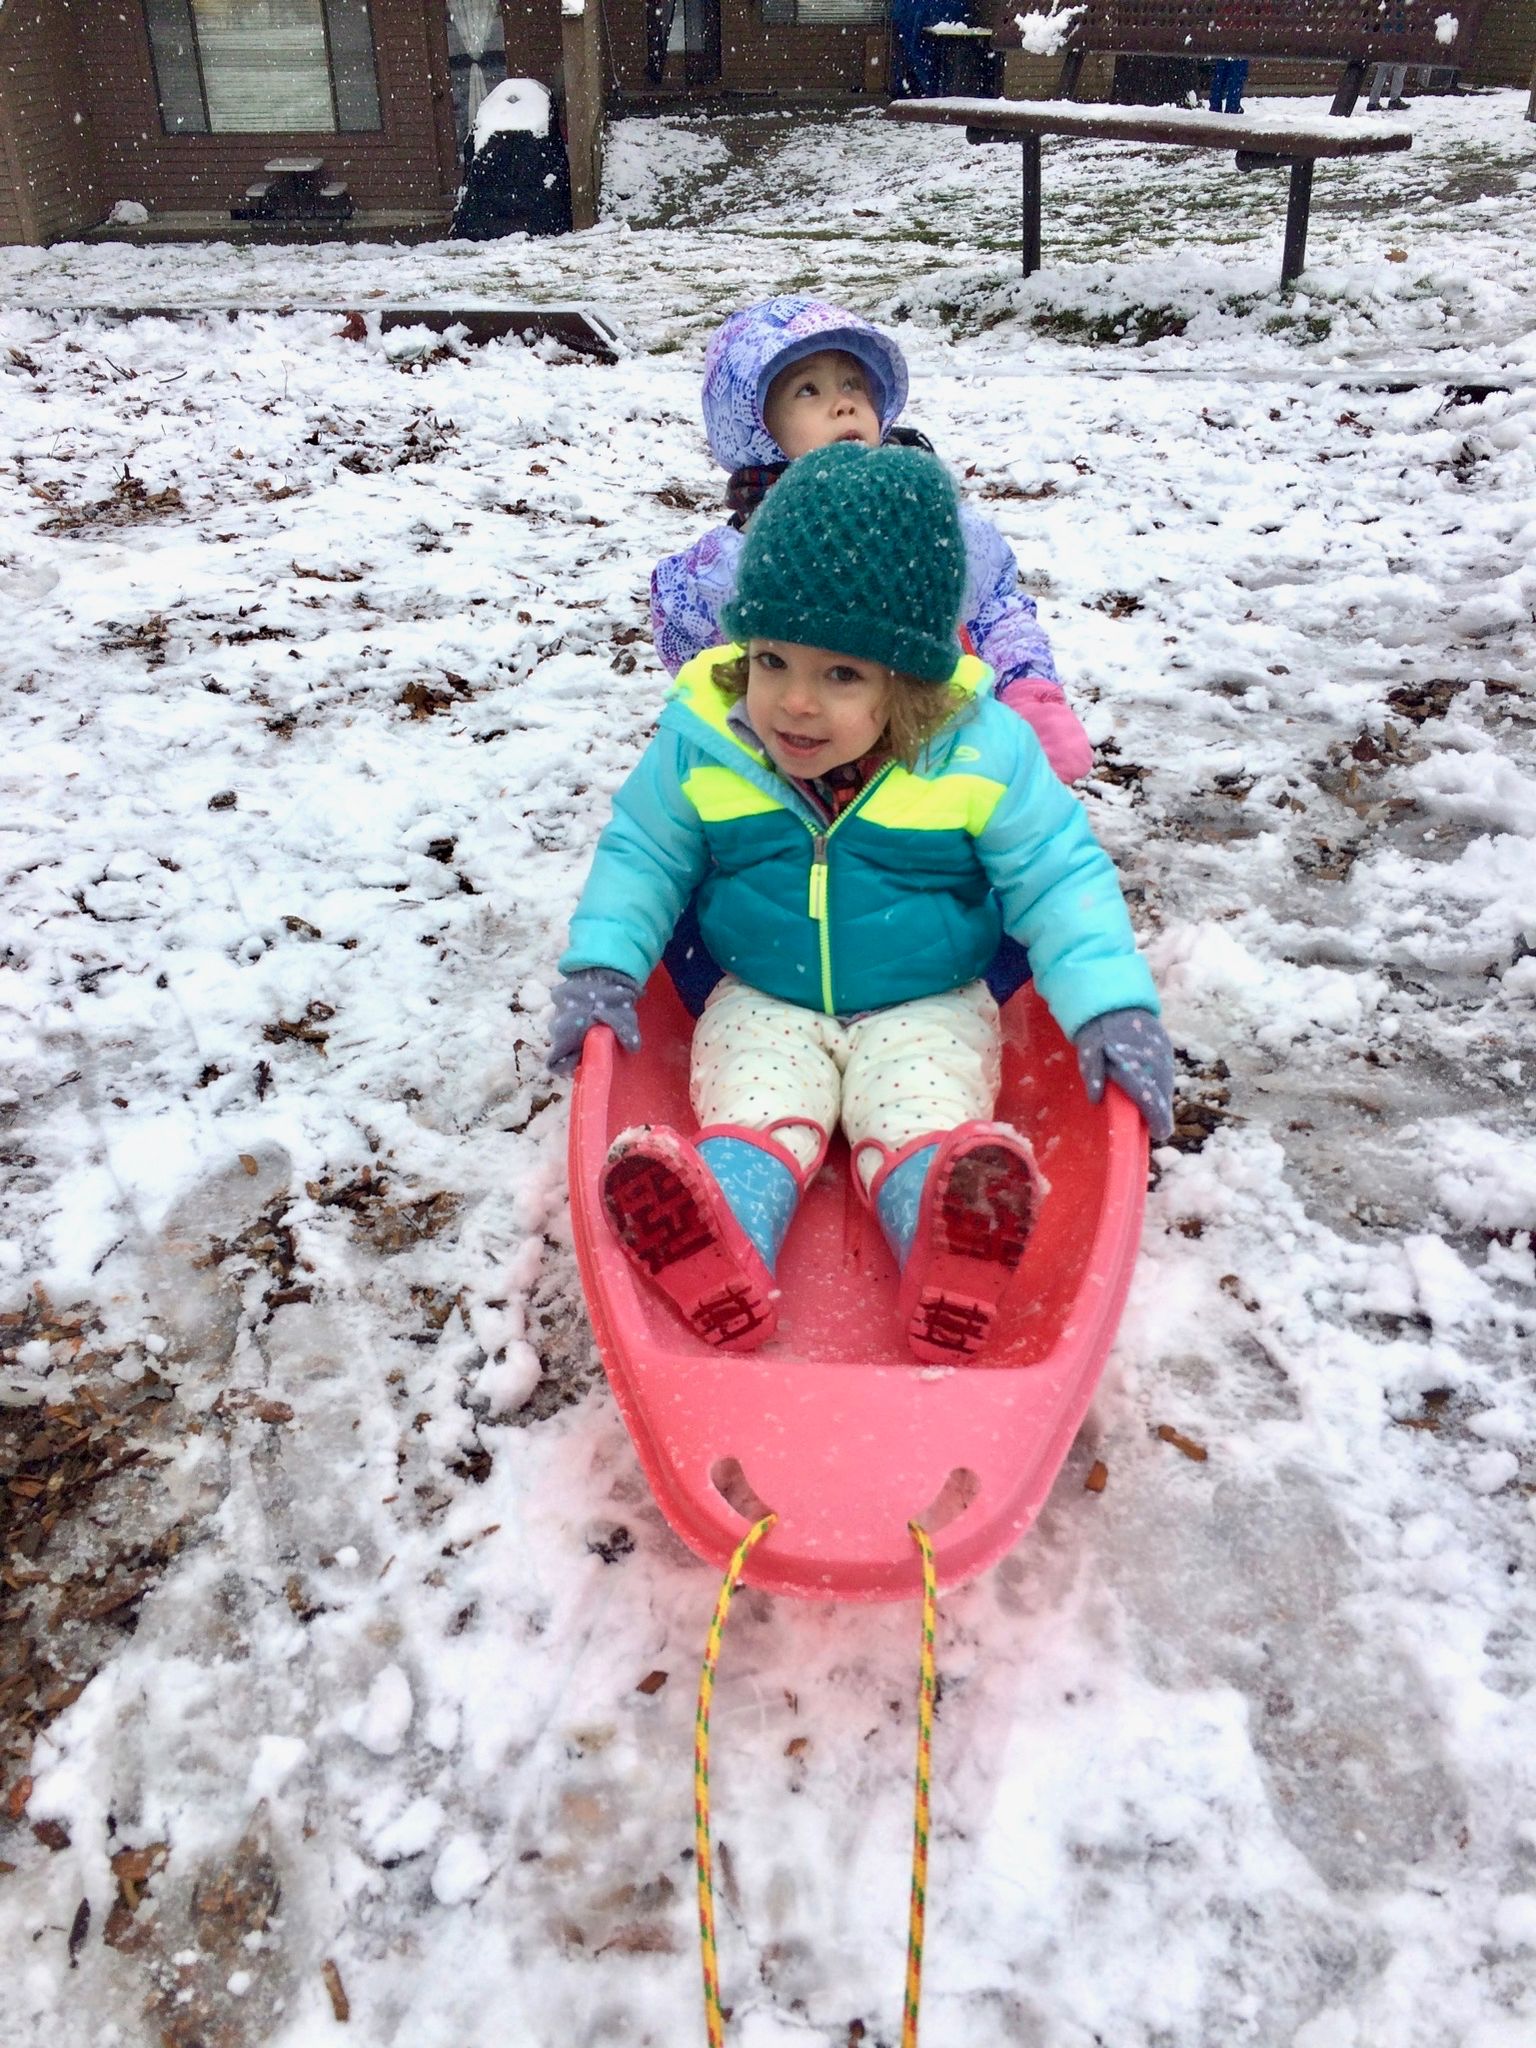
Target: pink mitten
x=1043, y=707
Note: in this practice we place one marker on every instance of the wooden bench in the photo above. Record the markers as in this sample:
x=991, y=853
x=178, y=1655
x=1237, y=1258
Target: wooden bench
x=1352, y=33
x=1275, y=142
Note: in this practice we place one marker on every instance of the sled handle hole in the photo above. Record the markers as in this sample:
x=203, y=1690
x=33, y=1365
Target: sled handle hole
x=735, y=1489
x=951, y=1500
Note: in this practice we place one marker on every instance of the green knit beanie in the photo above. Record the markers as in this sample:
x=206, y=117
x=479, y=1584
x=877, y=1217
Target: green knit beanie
x=858, y=550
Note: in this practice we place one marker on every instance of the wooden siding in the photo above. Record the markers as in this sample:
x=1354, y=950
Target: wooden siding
x=48, y=181
x=755, y=56
x=531, y=31
x=409, y=164
x=1505, y=51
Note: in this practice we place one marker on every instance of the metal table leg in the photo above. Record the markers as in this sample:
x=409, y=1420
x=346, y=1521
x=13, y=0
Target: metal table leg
x=1299, y=205
x=1031, y=205
x=1351, y=78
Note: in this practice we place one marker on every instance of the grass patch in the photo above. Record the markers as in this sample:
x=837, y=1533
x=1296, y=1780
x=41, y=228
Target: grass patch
x=1309, y=327
x=1131, y=326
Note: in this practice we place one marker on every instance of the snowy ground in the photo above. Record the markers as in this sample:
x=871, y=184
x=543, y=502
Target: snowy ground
x=330, y=1581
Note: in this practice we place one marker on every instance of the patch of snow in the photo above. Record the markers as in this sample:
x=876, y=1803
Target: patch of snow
x=277, y=1758
x=411, y=1833
x=380, y=1723
x=461, y=1871
x=1490, y=1471
x=1044, y=35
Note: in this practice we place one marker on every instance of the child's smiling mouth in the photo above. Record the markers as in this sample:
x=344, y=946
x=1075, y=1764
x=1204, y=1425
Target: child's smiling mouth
x=798, y=742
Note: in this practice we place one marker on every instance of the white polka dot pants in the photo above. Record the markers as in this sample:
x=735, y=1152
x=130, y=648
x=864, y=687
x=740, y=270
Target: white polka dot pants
x=915, y=1070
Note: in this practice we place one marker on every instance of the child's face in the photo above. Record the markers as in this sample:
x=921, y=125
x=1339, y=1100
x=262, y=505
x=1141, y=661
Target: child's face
x=819, y=400
x=812, y=709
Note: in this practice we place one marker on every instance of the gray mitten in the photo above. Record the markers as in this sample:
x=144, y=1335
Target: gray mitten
x=592, y=995
x=1130, y=1048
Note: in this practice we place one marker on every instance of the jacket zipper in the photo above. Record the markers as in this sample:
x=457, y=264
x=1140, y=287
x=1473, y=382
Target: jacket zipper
x=818, y=890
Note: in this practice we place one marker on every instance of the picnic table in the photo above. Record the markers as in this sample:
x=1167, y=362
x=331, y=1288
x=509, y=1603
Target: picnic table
x=294, y=188
x=1265, y=142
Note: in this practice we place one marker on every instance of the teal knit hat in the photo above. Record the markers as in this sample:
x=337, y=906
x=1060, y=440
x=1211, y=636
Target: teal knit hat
x=858, y=550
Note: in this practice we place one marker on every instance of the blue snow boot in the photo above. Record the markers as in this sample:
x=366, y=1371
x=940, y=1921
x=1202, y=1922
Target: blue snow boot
x=957, y=1215
x=900, y=1198
x=704, y=1222
x=762, y=1190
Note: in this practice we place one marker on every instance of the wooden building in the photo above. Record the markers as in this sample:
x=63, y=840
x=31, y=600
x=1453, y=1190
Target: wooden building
x=1506, y=44
x=176, y=106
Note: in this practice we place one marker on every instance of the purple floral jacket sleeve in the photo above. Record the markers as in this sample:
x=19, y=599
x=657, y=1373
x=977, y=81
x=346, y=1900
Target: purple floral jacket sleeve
x=687, y=592
x=1003, y=626
x=1007, y=635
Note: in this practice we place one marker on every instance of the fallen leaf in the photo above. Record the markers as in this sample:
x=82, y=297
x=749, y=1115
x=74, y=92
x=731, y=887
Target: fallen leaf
x=652, y=1682
x=79, y=1928
x=133, y=1868
x=52, y=1834
x=16, y=1799
x=251, y=1165
x=641, y=1938
x=1397, y=255
x=1098, y=1476
x=1166, y=1433
x=340, y=2004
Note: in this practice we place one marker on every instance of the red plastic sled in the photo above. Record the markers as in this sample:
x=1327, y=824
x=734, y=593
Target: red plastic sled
x=831, y=1424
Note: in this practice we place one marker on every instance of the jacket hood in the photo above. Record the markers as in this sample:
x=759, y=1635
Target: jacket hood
x=753, y=346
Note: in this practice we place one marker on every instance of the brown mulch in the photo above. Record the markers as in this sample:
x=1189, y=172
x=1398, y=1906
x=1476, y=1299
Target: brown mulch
x=130, y=503
x=77, y=1550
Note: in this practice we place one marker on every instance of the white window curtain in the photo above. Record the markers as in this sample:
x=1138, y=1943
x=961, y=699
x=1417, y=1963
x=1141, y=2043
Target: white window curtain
x=477, y=24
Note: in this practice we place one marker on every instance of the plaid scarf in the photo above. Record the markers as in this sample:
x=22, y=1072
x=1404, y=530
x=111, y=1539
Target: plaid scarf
x=831, y=794
x=746, y=488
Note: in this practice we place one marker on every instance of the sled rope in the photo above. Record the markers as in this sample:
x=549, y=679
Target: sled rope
x=927, y=1686
x=714, y=2017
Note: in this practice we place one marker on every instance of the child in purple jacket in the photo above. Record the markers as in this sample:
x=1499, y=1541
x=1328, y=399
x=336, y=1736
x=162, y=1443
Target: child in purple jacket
x=792, y=375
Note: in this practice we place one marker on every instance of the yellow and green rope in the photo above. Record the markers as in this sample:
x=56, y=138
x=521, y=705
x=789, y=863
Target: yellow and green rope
x=927, y=1688
x=714, y=2016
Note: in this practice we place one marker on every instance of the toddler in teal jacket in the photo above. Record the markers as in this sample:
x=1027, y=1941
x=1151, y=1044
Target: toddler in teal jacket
x=861, y=822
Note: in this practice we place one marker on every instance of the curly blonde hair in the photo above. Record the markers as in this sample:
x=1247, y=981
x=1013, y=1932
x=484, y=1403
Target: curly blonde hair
x=918, y=710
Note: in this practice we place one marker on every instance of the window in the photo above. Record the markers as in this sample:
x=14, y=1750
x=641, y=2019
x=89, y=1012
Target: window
x=263, y=67
x=477, y=56
x=829, y=13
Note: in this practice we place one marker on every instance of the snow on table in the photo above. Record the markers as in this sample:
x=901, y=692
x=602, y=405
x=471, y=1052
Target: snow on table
x=1266, y=130
x=323, y=657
